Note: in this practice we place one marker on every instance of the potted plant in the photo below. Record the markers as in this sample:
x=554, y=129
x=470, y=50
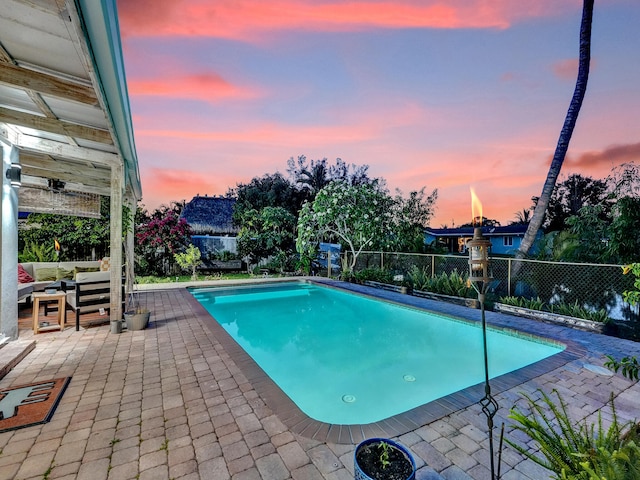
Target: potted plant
x=136, y=317
x=383, y=459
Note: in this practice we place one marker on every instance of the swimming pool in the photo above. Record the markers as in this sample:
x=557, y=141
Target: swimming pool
x=348, y=359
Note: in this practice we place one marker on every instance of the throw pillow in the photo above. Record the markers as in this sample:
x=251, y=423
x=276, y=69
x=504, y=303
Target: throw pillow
x=77, y=270
x=46, y=274
x=23, y=275
x=64, y=274
x=105, y=264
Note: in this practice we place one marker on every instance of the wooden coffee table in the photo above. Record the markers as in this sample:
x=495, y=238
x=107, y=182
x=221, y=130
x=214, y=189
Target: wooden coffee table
x=45, y=298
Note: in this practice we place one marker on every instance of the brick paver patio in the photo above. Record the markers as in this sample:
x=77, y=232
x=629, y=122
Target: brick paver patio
x=170, y=402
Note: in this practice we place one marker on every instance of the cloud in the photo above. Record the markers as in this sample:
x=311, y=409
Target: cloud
x=374, y=123
x=566, y=69
x=209, y=87
x=162, y=185
x=251, y=19
x=610, y=156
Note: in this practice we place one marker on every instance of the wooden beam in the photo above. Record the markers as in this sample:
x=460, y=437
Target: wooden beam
x=40, y=182
x=55, y=126
x=45, y=166
x=45, y=84
x=63, y=150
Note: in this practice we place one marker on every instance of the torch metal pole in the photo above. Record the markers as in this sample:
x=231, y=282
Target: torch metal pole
x=479, y=277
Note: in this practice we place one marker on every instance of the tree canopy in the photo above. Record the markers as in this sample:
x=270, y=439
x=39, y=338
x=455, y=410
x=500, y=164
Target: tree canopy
x=570, y=196
x=267, y=232
x=78, y=237
x=363, y=217
x=357, y=216
x=313, y=175
x=270, y=190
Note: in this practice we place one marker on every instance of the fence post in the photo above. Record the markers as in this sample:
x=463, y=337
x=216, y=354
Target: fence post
x=509, y=277
x=381, y=260
x=433, y=265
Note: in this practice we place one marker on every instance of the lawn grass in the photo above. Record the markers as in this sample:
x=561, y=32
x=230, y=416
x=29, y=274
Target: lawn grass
x=187, y=278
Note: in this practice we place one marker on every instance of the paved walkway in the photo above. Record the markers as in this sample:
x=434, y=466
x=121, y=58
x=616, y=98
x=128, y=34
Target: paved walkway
x=170, y=403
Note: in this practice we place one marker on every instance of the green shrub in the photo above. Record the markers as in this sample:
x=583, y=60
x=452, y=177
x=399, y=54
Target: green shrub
x=32, y=252
x=419, y=278
x=190, y=259
x=578, y=311
x=452, y=284
x=530, y=303
x=570, y=310
x=577, y=452
x=374, y=275
x=632, y=296
x=226, y=256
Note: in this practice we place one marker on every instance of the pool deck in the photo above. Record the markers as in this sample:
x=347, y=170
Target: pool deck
x=175, y=401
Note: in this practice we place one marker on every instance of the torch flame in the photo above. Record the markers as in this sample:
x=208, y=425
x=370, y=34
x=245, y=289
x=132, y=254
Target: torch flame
x=476, y=209
x=56, y=244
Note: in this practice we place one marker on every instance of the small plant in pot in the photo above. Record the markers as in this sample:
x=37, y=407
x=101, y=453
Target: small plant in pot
x=135, y=315
x=383, y=459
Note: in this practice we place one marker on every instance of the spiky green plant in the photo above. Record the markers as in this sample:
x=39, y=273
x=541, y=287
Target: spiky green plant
x=577, y=451
x=453, y=284
x=578, y=311
x=629, y=366
x=33, y=252
x=530, y=303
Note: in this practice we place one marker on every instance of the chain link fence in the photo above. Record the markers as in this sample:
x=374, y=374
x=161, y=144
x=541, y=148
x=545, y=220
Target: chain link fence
x=592, y=286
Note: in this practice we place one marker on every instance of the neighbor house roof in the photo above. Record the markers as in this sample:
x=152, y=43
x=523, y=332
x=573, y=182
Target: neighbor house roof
x=210, y=215
x=513, y=230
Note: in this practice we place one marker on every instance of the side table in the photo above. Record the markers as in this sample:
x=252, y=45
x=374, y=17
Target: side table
x=45, y=298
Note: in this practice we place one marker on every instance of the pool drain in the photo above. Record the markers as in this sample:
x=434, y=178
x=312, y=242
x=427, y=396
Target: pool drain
x=348, y=398
x=409, y=378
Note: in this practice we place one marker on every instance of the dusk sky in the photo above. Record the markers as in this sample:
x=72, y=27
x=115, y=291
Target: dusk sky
x=441, y=94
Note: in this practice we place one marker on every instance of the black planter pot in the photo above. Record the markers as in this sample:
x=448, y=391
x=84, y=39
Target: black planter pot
x=368, y=465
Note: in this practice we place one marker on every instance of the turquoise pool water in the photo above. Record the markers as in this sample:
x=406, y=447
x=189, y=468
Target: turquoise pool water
x=349, y=359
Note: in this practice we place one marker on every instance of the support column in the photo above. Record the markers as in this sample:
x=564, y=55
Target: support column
x=9, y=251
x=129, y=248
x=117, y=182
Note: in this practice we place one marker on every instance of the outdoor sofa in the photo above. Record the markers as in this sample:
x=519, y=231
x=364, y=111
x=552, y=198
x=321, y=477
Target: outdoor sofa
x=87, y=283
x=41, y=274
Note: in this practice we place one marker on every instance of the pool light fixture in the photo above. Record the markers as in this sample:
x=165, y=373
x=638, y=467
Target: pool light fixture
x=479, y=278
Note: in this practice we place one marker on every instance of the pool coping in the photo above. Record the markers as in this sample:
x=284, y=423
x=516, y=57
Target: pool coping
x=301, y=424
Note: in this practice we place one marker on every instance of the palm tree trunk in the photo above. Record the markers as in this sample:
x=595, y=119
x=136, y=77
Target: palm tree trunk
x=565, y=134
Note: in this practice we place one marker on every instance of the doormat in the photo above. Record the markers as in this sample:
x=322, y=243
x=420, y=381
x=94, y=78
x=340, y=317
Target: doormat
x=31, y=404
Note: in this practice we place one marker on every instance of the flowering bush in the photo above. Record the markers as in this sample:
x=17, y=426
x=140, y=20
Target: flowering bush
x=158, y=237
x=358, y=216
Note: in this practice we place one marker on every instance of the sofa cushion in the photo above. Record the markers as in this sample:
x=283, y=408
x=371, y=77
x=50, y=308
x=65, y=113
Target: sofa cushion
x=46, y=274
x=64, y=274
x=23, y=275
x=105, y=264
x=79, y=269
x=93, y=277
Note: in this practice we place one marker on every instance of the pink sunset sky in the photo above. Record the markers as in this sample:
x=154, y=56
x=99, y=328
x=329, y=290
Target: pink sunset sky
x=440, y=94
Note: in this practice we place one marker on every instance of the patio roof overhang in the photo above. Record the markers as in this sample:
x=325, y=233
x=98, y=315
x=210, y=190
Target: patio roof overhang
x=64, y=116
